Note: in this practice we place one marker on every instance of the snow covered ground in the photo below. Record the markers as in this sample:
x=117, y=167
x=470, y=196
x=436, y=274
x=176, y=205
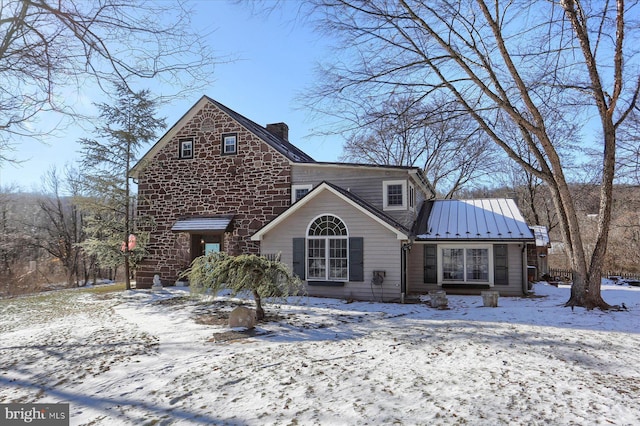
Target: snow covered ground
x=144, y=358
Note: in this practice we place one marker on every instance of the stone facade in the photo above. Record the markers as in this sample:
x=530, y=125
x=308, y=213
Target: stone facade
x=253, y=185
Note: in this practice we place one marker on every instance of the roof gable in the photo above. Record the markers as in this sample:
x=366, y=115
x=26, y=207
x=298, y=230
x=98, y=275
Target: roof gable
x=355, y=201
x=286, y=148
x=487, y=219
x=290, y=151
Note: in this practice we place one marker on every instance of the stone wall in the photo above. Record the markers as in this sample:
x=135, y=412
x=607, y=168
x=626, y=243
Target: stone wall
x=253, y=185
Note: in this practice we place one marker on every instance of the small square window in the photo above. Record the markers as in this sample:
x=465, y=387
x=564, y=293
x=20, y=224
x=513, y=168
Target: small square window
x=229, y=143
x=299, y=191
x=186, y=148
x=394, y=194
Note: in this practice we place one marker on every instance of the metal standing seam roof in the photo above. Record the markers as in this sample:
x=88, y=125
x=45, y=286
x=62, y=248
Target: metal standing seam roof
x=202, y=224
x=485, y=219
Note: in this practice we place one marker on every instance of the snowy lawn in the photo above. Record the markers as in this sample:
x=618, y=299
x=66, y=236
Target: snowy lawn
x=144, y=358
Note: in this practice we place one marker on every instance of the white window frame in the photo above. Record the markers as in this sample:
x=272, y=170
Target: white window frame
x=385, y=195
x=308, y=187
x=229, y=136
x=488, y=247
x=183, y=143
x=327, y=246
x=412, y=197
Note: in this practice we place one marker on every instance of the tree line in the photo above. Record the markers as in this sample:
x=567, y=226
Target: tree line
x=81, y=226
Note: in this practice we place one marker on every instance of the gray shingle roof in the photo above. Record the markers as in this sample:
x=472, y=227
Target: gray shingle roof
x=289, y=150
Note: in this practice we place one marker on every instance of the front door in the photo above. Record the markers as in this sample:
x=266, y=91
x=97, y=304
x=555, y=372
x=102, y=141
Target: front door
x=211, y=248
x=205, y=244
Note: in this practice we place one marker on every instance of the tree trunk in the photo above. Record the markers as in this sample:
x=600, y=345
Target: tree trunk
x=126, y=270
x=594, y=297
x=70, y=274
x=259, y=310
x=568, y=221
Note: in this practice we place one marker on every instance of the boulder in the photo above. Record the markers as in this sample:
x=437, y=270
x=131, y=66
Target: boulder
x=242, y=317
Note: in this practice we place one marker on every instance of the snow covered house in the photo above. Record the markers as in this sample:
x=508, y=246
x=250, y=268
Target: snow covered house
x=219, y=181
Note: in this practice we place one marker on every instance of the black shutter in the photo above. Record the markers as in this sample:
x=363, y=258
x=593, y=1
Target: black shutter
x=430, y=264
x=298, y=257
x=500, y=264
x=356, y=259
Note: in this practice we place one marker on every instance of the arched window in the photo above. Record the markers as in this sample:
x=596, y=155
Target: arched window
x=327, y=249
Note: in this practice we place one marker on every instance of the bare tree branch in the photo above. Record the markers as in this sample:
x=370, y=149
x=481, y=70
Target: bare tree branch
x=50, y=47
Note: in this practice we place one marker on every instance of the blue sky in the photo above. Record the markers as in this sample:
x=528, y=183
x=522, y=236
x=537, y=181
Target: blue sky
x=276, y=55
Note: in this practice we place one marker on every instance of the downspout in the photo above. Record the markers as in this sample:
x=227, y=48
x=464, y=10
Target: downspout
x=403, y=272
x=403, y=268
x=525, y=270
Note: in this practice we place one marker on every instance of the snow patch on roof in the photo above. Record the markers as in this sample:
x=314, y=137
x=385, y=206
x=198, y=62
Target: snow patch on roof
x=541, y=235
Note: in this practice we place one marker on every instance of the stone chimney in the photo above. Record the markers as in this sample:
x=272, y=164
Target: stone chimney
x=281, y=130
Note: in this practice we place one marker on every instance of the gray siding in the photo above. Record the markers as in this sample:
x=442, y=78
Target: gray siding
x=381, y=247
x=516, y=271
x=365, y=182
x=415, y=274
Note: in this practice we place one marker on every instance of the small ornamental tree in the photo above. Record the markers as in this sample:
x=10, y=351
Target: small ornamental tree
x=247, y=272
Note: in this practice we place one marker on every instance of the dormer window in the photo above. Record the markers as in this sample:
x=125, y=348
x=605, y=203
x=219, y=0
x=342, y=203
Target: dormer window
x=394, y=194
x=186, y=148
x=229, y=143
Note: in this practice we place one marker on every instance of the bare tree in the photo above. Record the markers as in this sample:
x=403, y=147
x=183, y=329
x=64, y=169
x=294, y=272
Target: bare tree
x=513, y=64
x=60, y=229
x=437, y=137
x=52, y=49
x=18, y=242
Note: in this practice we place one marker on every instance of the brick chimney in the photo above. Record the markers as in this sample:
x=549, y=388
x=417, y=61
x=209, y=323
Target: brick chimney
x=281, y=130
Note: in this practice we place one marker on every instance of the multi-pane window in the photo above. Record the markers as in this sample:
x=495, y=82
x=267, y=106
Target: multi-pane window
x=477, y=264
x=452, y=264
x=465, y=264
x=338, y=259
x=327, y=249
x=317, y=259
x=394, y=194
x=186, y=148
x=229, y=143
x=299, y=191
